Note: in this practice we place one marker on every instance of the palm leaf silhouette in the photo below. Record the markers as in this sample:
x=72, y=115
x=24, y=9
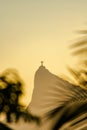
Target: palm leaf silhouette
x=69, y=110
x=80, y=49
x=4, y=127
x=74, y=105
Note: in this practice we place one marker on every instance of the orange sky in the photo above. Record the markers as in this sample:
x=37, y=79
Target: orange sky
x=35, y=30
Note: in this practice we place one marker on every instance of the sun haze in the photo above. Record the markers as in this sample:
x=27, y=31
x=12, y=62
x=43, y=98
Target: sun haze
x=32, y=31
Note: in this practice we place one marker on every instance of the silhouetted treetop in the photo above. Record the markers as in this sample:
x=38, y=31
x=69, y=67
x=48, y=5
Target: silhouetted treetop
x=11, y=87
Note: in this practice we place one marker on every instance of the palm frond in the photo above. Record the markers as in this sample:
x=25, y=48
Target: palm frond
x=69, y=110
x=4, y=127
x=78, y=44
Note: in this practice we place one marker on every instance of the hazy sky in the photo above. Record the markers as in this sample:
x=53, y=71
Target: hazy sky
x=35, y=30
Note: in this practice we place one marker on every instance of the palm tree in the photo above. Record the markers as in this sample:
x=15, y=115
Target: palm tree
x=74, y=110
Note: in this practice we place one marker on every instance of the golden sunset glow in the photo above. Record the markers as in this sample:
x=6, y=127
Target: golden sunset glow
x=36, y=30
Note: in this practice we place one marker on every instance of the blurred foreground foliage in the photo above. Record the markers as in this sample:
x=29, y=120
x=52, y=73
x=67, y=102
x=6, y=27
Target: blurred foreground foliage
x=79, y=50
x=76, y=105
x=11, y=88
